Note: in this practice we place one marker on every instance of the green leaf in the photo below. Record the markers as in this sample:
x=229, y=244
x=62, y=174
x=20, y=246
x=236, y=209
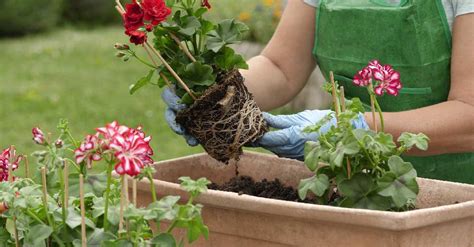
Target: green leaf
x=400, y=183
x=360, y=185
x=408, y=140
x=98, y=237
x=227, y=60
x=37, y=234
x=317, y=184
x=373, y=202
x=164, y=209
x=164, y=240
x=98, y=209
x=74, y=218
x=312, y=155
x=355, y=105
x=200, y=11
x=198, y=74
x=196, y=228
x=188, y=25
x=142, y=82
x=348, y=145
x=194, y=187
x=227, y=32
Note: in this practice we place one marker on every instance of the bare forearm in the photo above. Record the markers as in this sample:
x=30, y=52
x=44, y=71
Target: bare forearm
x=449, y=125
x=268, y=84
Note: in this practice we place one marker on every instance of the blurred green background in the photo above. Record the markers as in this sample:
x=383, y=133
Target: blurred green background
x=57, y=61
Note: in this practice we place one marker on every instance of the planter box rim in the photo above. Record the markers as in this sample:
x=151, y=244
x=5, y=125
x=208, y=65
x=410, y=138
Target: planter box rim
x=395, y=221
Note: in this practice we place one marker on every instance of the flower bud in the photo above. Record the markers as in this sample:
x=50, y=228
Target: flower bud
x=120, y=54
x=59, y=143
x=38, y=136
x=122, y=47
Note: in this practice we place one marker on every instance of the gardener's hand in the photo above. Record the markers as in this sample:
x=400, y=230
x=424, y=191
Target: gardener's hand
x=172, y=100
x=290, y=139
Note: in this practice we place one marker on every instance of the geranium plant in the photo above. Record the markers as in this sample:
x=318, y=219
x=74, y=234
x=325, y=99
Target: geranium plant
x=72, y=206
x=192, y=56
x=362, y=168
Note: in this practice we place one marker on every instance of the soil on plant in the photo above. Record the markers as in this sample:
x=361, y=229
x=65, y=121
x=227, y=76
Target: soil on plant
x=224, y=118
x=267, y=189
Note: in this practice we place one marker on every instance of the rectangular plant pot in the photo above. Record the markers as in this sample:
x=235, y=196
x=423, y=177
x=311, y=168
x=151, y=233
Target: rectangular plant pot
x=445, y=216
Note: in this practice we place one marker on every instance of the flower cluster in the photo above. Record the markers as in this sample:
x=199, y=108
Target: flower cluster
x=388, y=79
x=8, y=158
x=140, y=18
x=205, y=3
x=129, y=147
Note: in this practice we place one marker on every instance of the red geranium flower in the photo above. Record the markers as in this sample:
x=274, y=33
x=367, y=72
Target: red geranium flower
x=156, y=11
x=205, y=3
x=362, y=78
x=133, y=17
x=137, y=37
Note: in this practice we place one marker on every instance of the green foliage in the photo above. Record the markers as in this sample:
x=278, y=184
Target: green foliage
x=364, y=166
x=90, y=12
x=207, y=42
x=28, y=16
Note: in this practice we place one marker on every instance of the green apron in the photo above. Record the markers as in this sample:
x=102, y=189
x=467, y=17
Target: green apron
x=411, y=35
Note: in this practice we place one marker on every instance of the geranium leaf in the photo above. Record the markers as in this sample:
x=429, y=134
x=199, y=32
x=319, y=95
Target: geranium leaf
x=408, y=140
x=37, y=234
x=198, y=74
x=142, y=82
x=228, y=60
x=360, y=185
x=227, y=32
x=164, y=240
x=400, y=183
x=312, y=153
x=317, y=184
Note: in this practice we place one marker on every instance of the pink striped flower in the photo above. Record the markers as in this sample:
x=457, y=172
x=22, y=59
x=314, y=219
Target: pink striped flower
x=385, y=78
x=89, y=150
x=133, y=151
x=38, y=136
x=8, y=158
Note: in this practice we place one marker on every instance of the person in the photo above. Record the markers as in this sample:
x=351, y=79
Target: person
x=431, y=44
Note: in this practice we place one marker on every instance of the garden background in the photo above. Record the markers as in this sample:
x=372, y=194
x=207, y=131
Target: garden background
x=57, y=61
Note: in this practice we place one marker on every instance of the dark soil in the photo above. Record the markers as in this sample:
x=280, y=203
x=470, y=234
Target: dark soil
x=224, y=118
x=267, y=189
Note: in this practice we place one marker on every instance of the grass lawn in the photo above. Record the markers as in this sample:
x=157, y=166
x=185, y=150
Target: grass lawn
x=74, y=75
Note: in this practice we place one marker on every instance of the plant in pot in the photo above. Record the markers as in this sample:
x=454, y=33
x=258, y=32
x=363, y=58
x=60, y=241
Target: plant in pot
x=192, y=56
x=362, y=168
x=74, y=206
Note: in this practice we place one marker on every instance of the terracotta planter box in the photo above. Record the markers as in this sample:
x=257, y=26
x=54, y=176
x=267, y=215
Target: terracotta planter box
x=445, y=217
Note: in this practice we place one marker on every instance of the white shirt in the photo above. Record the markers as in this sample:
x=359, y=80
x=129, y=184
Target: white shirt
x=453, y=8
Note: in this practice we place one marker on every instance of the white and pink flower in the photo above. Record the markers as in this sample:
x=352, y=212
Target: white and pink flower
x=8, y=158
x=89, y=150
x=385, y=77
x=133, y=151
x=38, y=136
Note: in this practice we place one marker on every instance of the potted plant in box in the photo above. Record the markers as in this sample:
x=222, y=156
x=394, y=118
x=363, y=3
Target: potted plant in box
x=72, y=206
x=348, y=168
x=192, y=56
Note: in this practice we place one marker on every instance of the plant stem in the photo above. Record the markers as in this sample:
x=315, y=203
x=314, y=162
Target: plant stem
x=382, y=123
x=27, y=166
x=122, y=200
x=35, y=217
x=152, y=186
x=62, y=193
x=107, y=195
x=17, y=240
x=45, y=198
x=334, y=95
x=370, y=88
x=171, y=70
x=183, y=47
x=141, y=60
x=83, y=211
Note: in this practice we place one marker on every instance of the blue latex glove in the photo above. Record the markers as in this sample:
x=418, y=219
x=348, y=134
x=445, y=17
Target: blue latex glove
x=290, y=139
x=172, y=100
